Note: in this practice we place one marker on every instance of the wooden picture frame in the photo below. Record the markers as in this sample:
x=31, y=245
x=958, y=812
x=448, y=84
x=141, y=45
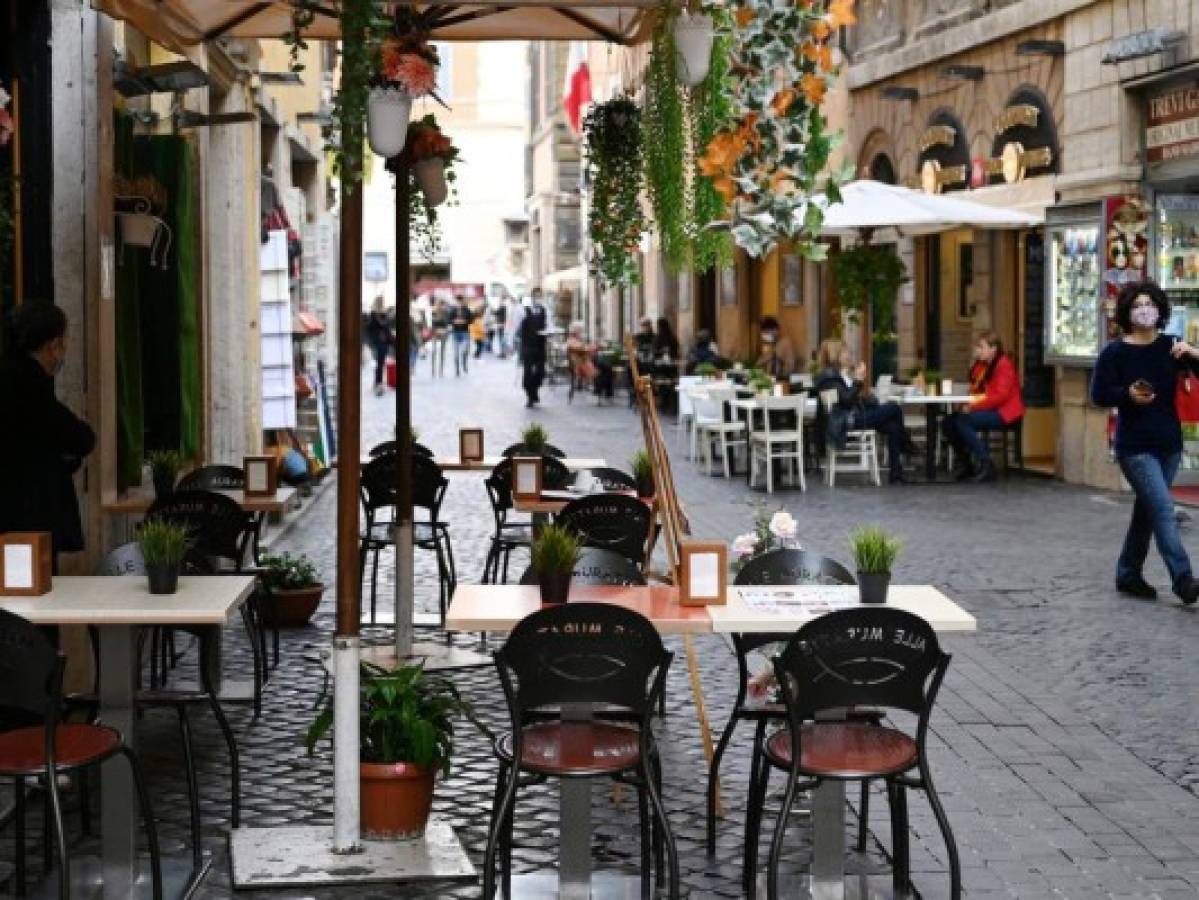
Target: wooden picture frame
x=791, y=280
x=470, y=444
x=527, y=477
x=703, y=573
x=26, y=563
x=262, y=476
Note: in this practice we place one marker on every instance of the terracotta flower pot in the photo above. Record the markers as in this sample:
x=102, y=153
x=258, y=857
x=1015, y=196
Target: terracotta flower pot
x=693, y=37
x=872, y=586
x=164, y=579
x=395, y=800
x=291, y=608
x=430, y=178
x=387, y=114
x=555, y=586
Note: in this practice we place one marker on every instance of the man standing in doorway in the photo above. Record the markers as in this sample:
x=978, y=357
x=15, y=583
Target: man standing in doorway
x=45, y=442
x=532, y=347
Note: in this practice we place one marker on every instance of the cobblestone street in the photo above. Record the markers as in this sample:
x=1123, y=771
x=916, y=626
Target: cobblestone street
x=1065, y=743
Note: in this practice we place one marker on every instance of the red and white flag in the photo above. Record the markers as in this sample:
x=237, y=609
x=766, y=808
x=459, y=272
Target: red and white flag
x=576, y=93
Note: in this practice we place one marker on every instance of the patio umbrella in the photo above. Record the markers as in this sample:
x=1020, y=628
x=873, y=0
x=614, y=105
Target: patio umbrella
x=870, y=206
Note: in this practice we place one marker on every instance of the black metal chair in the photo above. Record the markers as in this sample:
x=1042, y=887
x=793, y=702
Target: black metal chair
x=615, y=522
x=509, y=536
x=35, y=743
x=519, y=449
x=598, y=567
x=613, y=479
x=213, y=478
x=222, y=534
x=999, y=436
x=418, y=449
x=592, y=654
x=779, y=567
x=380, y=496
x=875, y=656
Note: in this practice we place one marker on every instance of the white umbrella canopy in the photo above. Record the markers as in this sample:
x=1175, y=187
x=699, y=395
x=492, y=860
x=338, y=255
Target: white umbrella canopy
x=872, y=206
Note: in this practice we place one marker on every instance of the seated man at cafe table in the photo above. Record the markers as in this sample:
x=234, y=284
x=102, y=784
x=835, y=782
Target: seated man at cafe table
x=856, y=408
x=995, y=403
x=777, y=358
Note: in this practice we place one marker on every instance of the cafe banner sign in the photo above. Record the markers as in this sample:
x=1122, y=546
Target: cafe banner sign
x=1173, y=125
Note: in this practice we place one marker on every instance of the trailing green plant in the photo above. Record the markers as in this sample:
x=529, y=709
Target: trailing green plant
x=407, y=715
x=284, y=572
x=667, y=156
x=711, y=111
x=761, y=382
x=303, y=14
x=643, y=469
x=163, y=543
x=874, y=550
x=555, y=549
x=932, y=376
x=425, y=140
x=534, y=437
x=615, y=220
x=706, y=369
x=868, y=278
x=165, y=464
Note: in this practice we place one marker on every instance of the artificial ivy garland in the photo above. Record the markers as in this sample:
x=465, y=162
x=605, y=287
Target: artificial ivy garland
x=663, y=123
x=614, y=170
x=711, y=110
x=772, y=159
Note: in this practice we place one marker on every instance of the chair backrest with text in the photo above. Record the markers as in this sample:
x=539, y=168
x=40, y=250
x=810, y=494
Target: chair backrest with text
x=615, y=522
x=219, y=528
x=599, y=567
x=213, y=478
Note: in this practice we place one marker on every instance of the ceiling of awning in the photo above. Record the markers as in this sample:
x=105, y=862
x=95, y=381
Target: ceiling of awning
x=180, y=24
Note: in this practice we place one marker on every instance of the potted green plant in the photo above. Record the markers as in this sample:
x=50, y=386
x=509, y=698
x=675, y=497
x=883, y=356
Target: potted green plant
x=534, y=439
x=164, y=544
x=164, y=471
x=555, y=552
x=406, y=740
x=932, y=382
x=874, y=551
x=761, y=383
x=706, y=370
x=293, y=590
x=643, y=473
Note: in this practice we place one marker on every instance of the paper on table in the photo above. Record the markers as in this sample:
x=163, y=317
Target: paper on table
x=705, y=576
x=256, y=478
x=18, y=566
x=809, y=599
x=526, y=479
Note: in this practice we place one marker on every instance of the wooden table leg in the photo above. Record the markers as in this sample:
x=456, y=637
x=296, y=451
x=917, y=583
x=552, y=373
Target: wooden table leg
x=701, y=712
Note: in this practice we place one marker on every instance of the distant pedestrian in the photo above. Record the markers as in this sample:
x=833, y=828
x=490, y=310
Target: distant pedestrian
x=44, y=442
x=460, y=319
x=532, y=348
x=379, y=337
x=478, y=328
x=1137, y=374
x=500, y=346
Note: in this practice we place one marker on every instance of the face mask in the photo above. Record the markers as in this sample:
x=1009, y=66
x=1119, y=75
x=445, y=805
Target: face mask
x=1144, y=316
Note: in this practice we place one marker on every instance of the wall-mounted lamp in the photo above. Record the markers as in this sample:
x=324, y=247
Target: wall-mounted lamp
x=280, y=77
x=1141, y=44
x=186, y=118
x=165, y=78
x=964, y=73
x=1041, y=48
x=899, y=93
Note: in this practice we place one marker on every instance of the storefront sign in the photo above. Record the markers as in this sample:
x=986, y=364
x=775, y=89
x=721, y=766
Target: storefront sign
x=937, y=136
x=1014, y=162
x=934, y=179
x=1020, y=115
x=1173, y=125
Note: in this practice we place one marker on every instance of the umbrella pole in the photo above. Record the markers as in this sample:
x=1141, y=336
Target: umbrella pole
x=349, y=439
x=405, y=594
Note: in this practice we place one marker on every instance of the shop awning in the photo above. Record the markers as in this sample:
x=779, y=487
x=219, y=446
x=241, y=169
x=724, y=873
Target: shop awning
x=1032, y=196
x=180, y=24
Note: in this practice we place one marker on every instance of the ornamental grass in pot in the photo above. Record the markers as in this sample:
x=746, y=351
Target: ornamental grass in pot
x=164, y=471
x=643, y=473
x=293, y=590
x=555, y=552
x=874, y=551
x=164, y=545
x=533, y=439
x=406, y=741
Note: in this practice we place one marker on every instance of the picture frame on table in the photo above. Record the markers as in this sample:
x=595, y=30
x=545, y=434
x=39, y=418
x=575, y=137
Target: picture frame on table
x=470, y=444
x=703, y=573
x=527, y=473
x=26, y=563
x=791, y=280
x=262, y=476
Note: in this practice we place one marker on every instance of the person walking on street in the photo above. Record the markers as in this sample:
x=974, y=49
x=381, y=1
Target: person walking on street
x=532, y=348
x=1137, y=374
x=460, y=320
x=501, y=332
x=441, y=328
x=378, y=335
x=46, y=442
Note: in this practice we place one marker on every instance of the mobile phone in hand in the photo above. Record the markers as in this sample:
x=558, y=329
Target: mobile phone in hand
x=1142, y=386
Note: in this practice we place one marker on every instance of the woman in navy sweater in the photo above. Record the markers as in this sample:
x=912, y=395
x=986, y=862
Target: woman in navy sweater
x=1137, y=374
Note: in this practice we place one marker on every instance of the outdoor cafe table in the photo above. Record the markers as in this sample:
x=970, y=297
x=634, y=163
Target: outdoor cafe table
x=930, y=404
x=136, y=501
x=770, y=609
x=487, y=463
x=117, y=606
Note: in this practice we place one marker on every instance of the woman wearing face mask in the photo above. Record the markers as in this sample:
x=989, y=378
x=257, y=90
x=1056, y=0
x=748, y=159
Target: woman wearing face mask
x=1136, y=374
x=995, y=402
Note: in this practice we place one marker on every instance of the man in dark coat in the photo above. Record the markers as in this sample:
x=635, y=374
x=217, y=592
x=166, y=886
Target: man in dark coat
x=44, y=442
x=532, y=347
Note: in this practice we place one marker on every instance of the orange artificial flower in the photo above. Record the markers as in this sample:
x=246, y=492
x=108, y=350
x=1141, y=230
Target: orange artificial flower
x=782, y=101
x=820, y=54
x=840, y=12
x=813, y=87
x=744, y=16
x=821, y=30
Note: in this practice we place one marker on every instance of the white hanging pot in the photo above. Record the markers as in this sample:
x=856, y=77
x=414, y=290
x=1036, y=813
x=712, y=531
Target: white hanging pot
x=430, y=178
x=693, y=37
x=387, y=113
x=138, y=229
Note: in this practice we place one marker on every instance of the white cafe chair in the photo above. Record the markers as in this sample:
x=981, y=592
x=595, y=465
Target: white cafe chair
x=711, y=426
x=768, y=444
x=861, y=449
x=686, y=421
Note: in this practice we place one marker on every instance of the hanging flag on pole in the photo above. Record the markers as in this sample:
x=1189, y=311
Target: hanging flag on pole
x=576, y=93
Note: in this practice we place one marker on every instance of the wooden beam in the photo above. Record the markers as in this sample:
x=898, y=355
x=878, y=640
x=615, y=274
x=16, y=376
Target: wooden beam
x=587, y=22
x=244, y=16
x=449, y=21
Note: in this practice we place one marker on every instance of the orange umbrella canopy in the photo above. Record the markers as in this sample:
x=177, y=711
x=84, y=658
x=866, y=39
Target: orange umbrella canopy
x=180, y=24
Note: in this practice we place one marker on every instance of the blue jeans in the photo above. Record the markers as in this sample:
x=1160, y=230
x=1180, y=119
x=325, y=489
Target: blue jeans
x=1150, y=475
x=461, y=351
x=961, y=430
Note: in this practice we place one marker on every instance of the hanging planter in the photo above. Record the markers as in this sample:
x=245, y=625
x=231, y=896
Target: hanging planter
x=693, y=37
x=429, y=159
x=615, y=218
x=407, y=70
x=387, y=112
x=140, y=203
x=430, y=178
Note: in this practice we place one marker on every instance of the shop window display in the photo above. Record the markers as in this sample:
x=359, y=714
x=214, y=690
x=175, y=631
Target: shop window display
x=1075, y=270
